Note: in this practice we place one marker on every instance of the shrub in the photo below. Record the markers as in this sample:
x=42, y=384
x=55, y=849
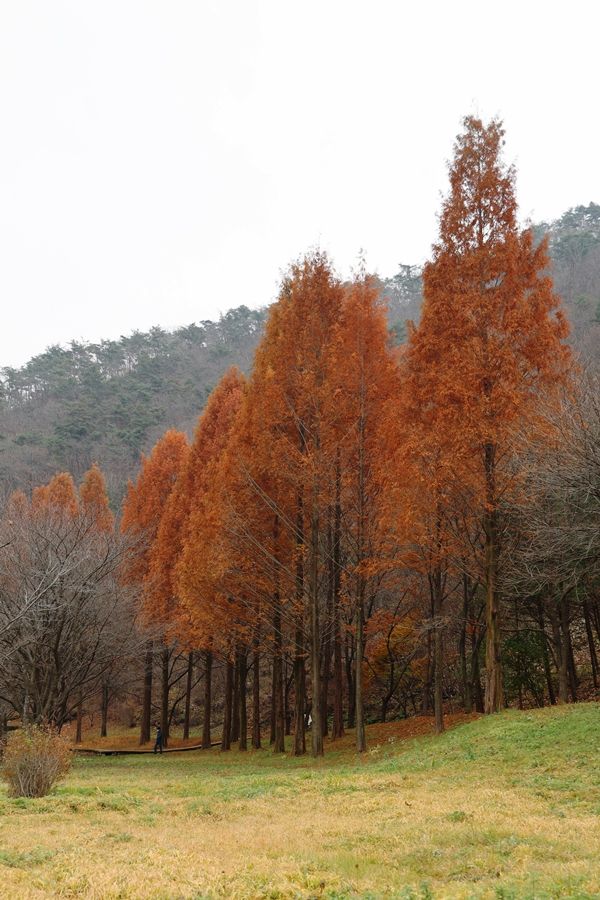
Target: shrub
x=35, y=758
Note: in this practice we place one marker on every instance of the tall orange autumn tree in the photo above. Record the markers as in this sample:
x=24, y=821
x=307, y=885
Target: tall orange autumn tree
x=250, y=570
x=362, y=380
x=142, y=511
x=491, y=338
x=291, y=471
x=191, y=554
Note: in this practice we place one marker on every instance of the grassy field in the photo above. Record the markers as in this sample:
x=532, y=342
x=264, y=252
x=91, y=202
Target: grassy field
x=506, y=806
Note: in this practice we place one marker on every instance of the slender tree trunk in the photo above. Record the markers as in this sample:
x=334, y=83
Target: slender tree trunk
x=287, y=716
x=147, y=698
x=243, y=677
x=235, y=714
x=273, y=716
x=327, y=645
x=426, y=705
x=545, y=655
x=337, y=730
x=206, y=736
x=595, y=613
x=226, y=736
x=476, y=689
x=188, y=695
x=299, y=694
x=104, y=711
x=590, y=639
x=465, y=679
x=78, y=732
x=315, y=633
x=299, y=746
x=349, y=659
x=279, y=741
x=494, y=691
x=164, y=713
x=438, y=656
x=256, y=698
x=361, y=738
x=278, y=711
x=573, y=679
x=561, y=656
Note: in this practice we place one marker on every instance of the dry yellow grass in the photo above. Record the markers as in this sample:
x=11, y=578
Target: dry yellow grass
x=507, y=806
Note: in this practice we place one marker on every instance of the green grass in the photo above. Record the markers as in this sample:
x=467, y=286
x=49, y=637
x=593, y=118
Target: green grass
x=507, y=806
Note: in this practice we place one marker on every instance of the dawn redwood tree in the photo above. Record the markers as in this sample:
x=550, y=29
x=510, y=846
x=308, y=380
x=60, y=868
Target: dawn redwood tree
x=362, y=380
x=490, y=341
x=292, y=470
x=194, y=542
x=142, y=511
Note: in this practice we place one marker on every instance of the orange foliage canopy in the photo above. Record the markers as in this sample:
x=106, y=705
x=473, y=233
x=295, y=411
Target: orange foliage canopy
x=184, y=560
x=94, y=500
x=490, y=344
x=144, y=505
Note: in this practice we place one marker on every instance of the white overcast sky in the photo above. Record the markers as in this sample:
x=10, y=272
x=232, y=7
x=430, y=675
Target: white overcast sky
x=161, y=162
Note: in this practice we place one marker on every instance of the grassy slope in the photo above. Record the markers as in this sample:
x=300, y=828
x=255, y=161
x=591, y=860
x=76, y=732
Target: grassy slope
x=507, y=806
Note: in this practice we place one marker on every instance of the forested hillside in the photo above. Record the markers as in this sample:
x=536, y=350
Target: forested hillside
x=107, y=402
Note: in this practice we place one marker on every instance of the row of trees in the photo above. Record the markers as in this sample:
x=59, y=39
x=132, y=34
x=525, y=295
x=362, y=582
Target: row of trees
x=358, y=530
x=350, y=509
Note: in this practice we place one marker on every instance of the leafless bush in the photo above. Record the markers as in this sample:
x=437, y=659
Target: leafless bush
x=35, y=758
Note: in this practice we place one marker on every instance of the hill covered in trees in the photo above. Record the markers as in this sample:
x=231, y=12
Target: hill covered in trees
x=107, y=402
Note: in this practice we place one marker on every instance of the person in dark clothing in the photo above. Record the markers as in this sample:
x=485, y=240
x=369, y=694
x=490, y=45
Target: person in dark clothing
x=158, y=744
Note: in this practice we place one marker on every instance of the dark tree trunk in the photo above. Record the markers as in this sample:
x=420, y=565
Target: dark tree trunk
x=243, y=677
x=315, y=630
x=226, y=736
x=337, y=729
x=273, y=715
x=545, y=654
x=287, y=683
x=349, y=660
x=147, y=699
x=426, y=705
x=361, y=739
x=235, y=713
x=573, y=679
x=164, y=712
x=465, y=678
x=477, y=690
x=206, y=737
x=325, y=677
x=299, y=745
x=278, y=714
x=299, y=694
x=590, y=639
x=78, y=735
x=560, y=650
x=595, y=613
x=494, y=691
x=188, y=695
x=104, y=711
x=438, y=656
x=327, y=643
x=256, y=699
